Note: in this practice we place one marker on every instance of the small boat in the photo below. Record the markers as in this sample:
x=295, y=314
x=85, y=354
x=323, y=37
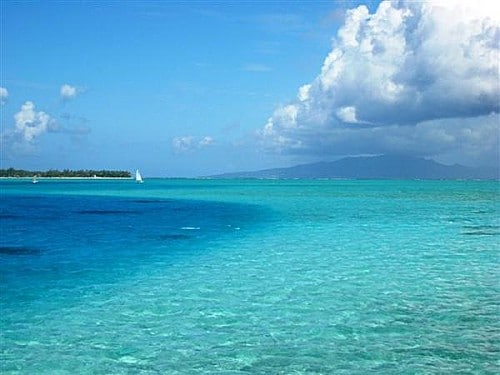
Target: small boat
x=35, y=180
x=138, y=177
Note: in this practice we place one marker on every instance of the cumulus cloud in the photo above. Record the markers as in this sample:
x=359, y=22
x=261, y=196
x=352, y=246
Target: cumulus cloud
x=3, y=95
x=69, y=92
x=401, y=79
x=188, y=143
x=30, y=123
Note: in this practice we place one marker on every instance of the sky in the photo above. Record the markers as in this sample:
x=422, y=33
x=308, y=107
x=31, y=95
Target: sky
x=195, y=88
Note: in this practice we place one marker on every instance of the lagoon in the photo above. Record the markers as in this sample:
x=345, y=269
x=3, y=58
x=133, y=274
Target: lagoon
x=249, y=276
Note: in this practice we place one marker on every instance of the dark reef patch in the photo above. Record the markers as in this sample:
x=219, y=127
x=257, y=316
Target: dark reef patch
x=481, y=233
x=481, y=230
x=106, y=212
x=155, y=201
x=19, y=250
x=9, y=216
x=174, y=237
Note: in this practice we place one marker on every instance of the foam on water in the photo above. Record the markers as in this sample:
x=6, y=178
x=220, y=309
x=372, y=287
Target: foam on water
x=322, y=277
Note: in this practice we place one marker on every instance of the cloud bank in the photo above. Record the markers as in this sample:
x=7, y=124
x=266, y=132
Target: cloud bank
x=413, y=77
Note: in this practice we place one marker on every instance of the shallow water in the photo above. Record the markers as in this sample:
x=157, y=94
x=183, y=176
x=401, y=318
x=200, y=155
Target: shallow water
x=249, y=277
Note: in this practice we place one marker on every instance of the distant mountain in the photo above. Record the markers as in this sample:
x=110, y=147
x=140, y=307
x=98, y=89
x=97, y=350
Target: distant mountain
x=376, y=167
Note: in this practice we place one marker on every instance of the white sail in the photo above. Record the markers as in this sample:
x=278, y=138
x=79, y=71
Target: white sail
x=138, y=177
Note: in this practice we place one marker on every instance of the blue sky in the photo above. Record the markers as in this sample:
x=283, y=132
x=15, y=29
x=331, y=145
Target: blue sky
x=194, y=88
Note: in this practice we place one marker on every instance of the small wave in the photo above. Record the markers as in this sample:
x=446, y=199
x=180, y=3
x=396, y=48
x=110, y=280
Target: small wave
x=190, y=228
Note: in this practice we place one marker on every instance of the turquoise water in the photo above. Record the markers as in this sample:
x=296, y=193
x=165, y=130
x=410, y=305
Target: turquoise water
x=250, y=277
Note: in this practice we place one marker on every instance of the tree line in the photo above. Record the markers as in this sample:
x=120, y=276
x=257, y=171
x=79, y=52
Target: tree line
x=11, y=172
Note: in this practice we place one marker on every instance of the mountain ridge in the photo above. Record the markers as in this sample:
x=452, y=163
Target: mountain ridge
x=373, y=167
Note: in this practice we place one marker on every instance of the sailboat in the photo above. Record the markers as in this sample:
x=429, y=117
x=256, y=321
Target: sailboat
x=35, y=180
x=138, y=177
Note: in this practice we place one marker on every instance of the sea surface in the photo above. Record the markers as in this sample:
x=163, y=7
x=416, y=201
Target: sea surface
x=249, y=277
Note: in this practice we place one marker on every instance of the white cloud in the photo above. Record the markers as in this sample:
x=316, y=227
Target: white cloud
x=68, y=92
x=206, y=141
x=347, y=114
x=183, y=143
x=188, y=143
x=4, y=94
x=30, y=123
x=398, y=71
x=303, y=94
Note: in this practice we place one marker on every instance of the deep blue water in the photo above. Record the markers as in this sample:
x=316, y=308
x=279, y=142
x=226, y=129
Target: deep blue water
x=51, y=239
x=249, y=277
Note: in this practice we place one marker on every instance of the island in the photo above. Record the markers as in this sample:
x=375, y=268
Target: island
x=66, y=173
x=390, y=167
